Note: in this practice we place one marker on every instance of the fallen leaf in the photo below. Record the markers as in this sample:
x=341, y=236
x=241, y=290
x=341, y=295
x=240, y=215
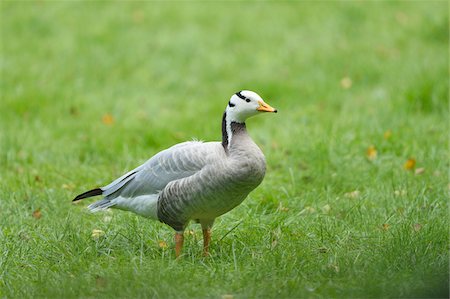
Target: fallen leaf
x=162, y=244
x=346, y=83
x=309, y=209
x=108, y=119
x=387, y=135
x=73, y=110
x=334, y=267
x=97, y=233
x=419, y=171
x=37, y=178
x=69, y=186
x=417, y=227
x=24, y=236
x=385, y=226
x=37, y=214
x=410, y=164
x=274, y=243
x=326, y=209
x=401, y=210
x=353, y=194
x=371, y=153
x=282, y=208
x=400, y=192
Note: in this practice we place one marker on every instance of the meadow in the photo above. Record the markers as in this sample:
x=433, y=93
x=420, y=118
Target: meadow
x=355, y=200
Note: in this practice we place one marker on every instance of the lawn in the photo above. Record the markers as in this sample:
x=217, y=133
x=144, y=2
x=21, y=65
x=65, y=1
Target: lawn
x=355, y=199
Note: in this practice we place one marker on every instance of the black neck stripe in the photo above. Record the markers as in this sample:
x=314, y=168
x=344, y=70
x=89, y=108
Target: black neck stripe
x=224, y=132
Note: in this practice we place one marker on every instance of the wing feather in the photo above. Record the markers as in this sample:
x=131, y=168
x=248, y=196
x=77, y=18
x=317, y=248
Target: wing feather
x=176, y=162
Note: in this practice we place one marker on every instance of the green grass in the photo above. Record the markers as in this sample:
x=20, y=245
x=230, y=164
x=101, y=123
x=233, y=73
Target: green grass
x=165, y=72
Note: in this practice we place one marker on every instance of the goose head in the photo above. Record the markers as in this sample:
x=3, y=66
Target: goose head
x=245, y=104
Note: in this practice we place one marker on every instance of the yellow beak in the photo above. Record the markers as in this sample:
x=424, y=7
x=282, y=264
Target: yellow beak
x=264, y=107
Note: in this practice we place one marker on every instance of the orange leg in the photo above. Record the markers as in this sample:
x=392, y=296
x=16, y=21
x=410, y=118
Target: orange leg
x=179, y=239
x=206, y=240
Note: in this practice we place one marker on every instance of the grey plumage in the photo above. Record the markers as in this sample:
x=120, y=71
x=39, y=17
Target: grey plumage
x=194, y=180
x=218, y=187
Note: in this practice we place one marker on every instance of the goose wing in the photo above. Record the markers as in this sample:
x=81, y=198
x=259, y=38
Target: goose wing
x=179, y=161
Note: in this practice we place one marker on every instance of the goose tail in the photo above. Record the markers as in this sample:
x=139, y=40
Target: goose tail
x=90, y=193
x=100, y=205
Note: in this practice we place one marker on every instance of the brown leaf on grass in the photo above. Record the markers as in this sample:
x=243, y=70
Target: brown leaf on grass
x=400, y=192
x=108, y=119
x=97, y=233
x=310, y=209
x=37, y=214
x=274, y=244
x=37, y=178
x=371, y=153
x=335, y=267
x=387, y=135
x=346, y=82
x=162, y=244
x=282, y=208
x=69, y=186
x=410, y=164
x=417, y=227
x=326, y=209
x=385, y=226
x=73, y=110
x=419, y=171
x=353, y=194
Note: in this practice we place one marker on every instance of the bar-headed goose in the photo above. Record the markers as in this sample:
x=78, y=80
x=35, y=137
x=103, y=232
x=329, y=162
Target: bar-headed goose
x=194, y=180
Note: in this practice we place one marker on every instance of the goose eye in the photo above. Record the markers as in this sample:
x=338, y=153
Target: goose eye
x=247, y=100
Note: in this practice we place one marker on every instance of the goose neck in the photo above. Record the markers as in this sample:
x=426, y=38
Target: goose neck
x=232, y=132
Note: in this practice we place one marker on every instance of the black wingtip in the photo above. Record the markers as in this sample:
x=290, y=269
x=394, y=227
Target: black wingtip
x=90, y=193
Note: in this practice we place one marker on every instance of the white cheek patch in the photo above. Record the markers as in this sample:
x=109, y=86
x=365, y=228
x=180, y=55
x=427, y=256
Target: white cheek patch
x=238, y=113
